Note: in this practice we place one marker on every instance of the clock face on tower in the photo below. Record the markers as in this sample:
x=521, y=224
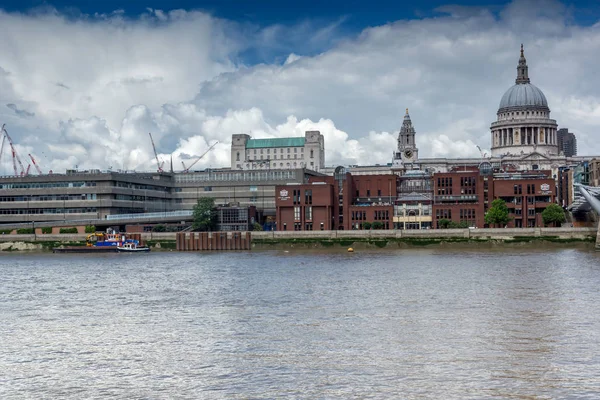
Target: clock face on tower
x=408, y=153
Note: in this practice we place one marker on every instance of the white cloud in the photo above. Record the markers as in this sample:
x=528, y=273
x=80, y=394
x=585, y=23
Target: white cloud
x=96, y=85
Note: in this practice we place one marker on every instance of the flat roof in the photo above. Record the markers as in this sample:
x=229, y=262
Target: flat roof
x=275, y=142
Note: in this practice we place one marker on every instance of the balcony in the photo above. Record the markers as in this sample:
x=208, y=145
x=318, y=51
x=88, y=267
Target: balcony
x=463, y=198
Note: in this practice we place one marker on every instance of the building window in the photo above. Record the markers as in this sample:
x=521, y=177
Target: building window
x=284, y=226
x=288, y=150
x=309, y=226
x=378, y=192
x=296, y=213
x=322, y=226
x=308, y=213
x=308, y=196
x=237, y=156
x=311, y=154
x=295, y=149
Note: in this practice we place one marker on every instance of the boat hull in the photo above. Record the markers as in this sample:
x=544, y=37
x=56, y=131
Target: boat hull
x=137, y=250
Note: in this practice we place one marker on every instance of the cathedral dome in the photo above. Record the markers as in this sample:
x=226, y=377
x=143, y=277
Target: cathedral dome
x=523, y=95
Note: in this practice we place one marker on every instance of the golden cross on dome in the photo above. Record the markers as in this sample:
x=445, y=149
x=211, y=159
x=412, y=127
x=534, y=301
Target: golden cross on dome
x=407, y=111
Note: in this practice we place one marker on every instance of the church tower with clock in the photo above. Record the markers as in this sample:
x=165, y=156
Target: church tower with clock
x=407, y=148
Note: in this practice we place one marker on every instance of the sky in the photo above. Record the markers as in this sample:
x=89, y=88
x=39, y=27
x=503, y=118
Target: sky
x=82, y=83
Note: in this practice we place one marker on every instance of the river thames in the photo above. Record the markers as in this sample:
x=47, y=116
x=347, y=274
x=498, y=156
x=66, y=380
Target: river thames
x=437, y=323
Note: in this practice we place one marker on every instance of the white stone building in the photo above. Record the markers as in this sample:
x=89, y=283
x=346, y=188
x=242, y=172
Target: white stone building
x=278, y=153
x=524, y=125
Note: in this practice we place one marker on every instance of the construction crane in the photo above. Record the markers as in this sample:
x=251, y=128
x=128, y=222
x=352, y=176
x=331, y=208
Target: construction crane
x=35, y=165
x=2, y=147
x=187, y=169
x=159, y=164
x=15, y=156
x=481, y=152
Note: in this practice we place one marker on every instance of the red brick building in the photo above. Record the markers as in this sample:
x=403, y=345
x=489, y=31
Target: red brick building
x=466, y=195
x=338, y=202
x=526, y=194
x=304, y=207
x=460, y=196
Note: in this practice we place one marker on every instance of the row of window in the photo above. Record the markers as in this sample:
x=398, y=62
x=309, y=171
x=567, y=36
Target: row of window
x=368, y=193
x=56, y=197
x=45, y=185
x=130, y=185
x=141, y=198
x=268, y=150
x=266, y=165
x=359, y=216
x=298, y=226
x=468, y=213
x=381, y=215
x=238, y=176
x=308, y=216
x=307, y=196
x=26, y=211
x=530, y=212
x=512, y=114
x=444, y=182
x=468, y=181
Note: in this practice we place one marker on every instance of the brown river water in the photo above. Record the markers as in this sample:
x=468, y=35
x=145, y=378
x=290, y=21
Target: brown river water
x=437, y=323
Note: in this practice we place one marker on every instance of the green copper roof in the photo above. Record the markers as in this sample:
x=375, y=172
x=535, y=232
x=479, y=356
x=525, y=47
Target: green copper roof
x=278, y=142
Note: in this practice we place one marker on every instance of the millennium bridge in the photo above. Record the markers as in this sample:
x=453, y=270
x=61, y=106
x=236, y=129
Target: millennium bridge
x=588, y=199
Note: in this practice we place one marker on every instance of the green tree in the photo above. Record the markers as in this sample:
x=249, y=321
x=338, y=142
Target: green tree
x=444, y=223
x=205, y=215
x=458, y=225
x=377, y=225
x=497, y=214
x=553, y=214
x=366, y=225
x=159, y=228
x=257, y=227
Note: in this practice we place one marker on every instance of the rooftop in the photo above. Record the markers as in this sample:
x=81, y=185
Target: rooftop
x=276, y=142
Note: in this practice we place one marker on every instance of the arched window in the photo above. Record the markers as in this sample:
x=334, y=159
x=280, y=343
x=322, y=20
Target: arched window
x=311, y=153
x=238, y=156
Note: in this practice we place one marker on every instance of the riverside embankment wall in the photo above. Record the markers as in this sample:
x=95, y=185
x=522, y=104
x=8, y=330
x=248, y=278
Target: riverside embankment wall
x=7, y=241
x=488, y=233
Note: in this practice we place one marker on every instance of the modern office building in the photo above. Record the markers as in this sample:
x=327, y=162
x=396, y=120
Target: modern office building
x=567, y=142
x=96, y=195
x=83, y=195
